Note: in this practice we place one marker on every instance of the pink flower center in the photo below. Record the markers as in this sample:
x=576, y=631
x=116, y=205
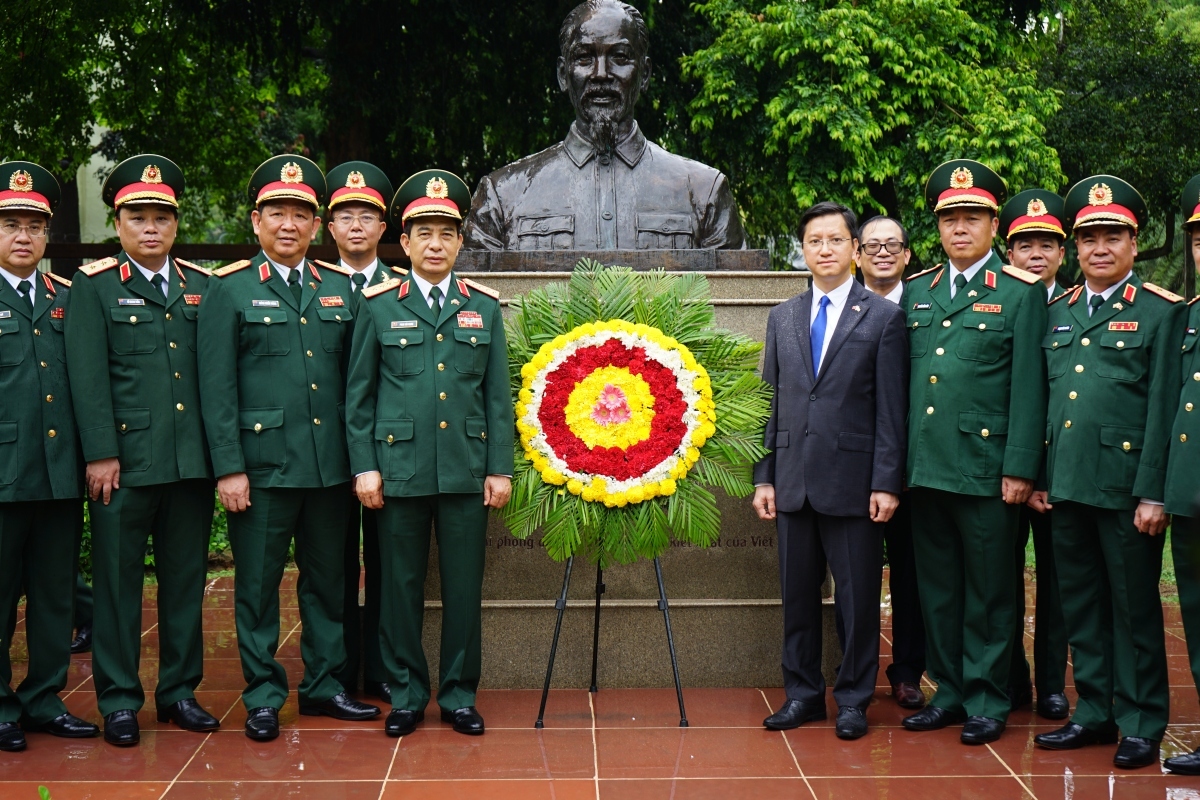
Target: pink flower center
x=612, y=407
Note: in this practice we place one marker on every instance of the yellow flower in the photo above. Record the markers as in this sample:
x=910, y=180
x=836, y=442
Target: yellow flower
x=528, y=371
x=553, y=477
x=667, y=487
x=574, y=486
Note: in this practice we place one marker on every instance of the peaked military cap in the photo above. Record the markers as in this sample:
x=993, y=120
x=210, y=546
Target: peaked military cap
x=963, y=182
x=1033, y=211
x=287, y=177
x=145, y=178
x=1104, y=200
x=359, y=182
x=1189, y=201
x=431, y=193
x=24, y=186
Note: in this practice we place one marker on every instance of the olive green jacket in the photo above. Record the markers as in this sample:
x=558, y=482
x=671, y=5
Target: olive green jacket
x=39, y=450
x=429, y=403
x=1183, y=464
x=977, y=393
x=132, y=358
x=1114, y=387
x=272, y=374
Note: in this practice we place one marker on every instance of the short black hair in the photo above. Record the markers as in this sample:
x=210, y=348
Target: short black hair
x=885, y=218
x=824, y=209
x=411, y=221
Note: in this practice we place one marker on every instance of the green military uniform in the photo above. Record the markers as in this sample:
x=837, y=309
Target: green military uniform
x=1113, y=378
x=273, y=386
x=976, y=400
x=41, y=514
x=429, y=407
x=132, y=357
x=361, y=182
x=1038, y=211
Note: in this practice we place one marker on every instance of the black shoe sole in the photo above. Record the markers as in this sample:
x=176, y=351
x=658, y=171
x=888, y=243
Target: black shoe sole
x=1074, y=746
x=14, y=748
x=820, y=716
x=950, y=722
x=449, y=719
x=165, y=716
x=1151, y=763
x=262, y=737
x=126, y=743
x=1181, y=770
x=975, y=740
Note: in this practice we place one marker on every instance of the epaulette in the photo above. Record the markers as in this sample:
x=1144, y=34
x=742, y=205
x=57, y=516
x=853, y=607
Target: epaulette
x=335, y=267
x=1170, y=297
x=919, y=274
x=490, y=292
x=192, y=266
x=229, y=269
x=96, y=267
x=1020, y=274
x=1194, y=299
x=380, y=288
x=1066, y=293
x=400, y=271
x=58, y=279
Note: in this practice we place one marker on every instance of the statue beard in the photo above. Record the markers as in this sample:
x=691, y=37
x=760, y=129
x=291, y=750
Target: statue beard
x=604, y=130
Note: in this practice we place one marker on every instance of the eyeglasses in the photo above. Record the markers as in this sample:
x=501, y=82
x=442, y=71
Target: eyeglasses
x=35, y=229
x=835, y=243
x=892, y=246
x=346, y=220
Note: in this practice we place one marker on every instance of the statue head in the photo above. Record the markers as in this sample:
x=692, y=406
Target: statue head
x=603, y=66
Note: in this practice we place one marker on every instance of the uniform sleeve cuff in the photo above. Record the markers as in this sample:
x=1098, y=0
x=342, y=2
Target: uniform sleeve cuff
x=227, y=460
x=362, y=458
x=99, y=443
x=1022, y=463
x=500, y=460
x=1150, y=483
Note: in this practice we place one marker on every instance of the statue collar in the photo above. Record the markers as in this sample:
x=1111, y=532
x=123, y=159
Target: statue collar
x=630, y=149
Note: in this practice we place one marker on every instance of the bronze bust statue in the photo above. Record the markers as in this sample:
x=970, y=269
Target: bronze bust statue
x=604, y=187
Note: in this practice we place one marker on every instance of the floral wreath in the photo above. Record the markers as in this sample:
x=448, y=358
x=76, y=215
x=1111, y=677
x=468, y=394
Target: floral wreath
x=622, y=424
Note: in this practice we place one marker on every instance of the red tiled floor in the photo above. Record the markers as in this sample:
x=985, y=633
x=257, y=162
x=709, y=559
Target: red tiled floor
x=492, y=790
x=702, y=789
x=435, y=752
x=693, y=753
x=86, y=790
x=948, y=788
x=327, y=755
x=270, y=790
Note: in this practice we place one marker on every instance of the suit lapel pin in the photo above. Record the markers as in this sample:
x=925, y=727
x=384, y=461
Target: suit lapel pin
x=1118, y=306
x=972, y=293
x=857, y=308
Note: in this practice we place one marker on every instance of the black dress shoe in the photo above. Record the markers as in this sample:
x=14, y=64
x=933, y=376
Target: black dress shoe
x=188, y=715
x=466, y=720
x=12, y=739
x=1188, y=764
x=793, y=714
x=1053, y=706
x=262, y=725
x=851, y=723
x=981, y=730
x=1072, y=737
x=121, y=728
x=932, y=718
x=908, y=695
x=341, y=706
x=83, y=640
x=68, y=726
x=402, y=722
x=1020, y=696
x=380, y=689
x=1134, y=752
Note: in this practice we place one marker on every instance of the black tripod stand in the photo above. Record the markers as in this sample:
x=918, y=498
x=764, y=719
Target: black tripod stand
x=561, y=605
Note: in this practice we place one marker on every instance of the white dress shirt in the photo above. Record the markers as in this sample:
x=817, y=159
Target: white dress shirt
x=895, y=294
x=969, y=272
x=1107, y=293
x=369, y=272
x=165, y=271
x=425, y=286
x=837, y=302
x=283, y=271
x=13, y=280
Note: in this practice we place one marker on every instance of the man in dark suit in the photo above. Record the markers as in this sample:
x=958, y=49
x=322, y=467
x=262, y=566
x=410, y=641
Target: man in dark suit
x=835, y=356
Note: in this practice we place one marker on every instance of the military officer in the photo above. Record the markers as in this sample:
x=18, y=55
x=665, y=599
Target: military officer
x=977, y=396
x=357, y=211
x=1112, y=352
x=131, y=339
x=430, y=426
x=1031, y=223
x=271, y=344
x=41, y=515
x=1182, y=490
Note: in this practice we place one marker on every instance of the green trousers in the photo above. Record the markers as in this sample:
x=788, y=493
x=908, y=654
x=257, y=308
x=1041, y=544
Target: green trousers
x=178, y=517
x=1185, y=549
x=1049, y=629
x=361, y=625
x=964, y=548
x=1108, y=574
x=84, y=603
x=39, y=550
x=460, y=521
x=260, y=537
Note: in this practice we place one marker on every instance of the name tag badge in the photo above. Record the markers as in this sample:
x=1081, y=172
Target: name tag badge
x=470, y=319
x=57, y=313
x=1062, y=328
x=192, y=299
x=5, y=314
x=265, y=303
x=130, y=301
x=1122, y=326
x=986, y=308
x=332, y=301
x=404, y=323
x=922, y=306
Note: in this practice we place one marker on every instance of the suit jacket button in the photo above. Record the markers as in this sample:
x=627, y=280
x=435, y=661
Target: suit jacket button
x=440, y=337
x=1085, y=341
x=483, y=434
x=303, y=321
x=179, y=406
x=1079, y=367
x=168, y=316
x=1073, y=395
x=945, y=323
x=985, y=433
x=441, y=367
x=933, y=378
x=390, y=438
x=941, y=351
x=49, y=398
x=1067, y=424
x=1182, y=436
x=929, y=410
x=257, y=427
x=442, y=424
x=812, y=397
x=316, y=421
x=172, y=345
x=1125, y=446
x=52, y=433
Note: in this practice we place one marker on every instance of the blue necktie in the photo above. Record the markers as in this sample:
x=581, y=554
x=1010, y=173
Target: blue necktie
x=817, y=335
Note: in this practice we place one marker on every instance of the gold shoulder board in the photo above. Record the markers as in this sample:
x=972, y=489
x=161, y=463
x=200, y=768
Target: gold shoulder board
x=334, y=267
x=925, y=272
x=1020, y=274
x=1066, y=293
x=400, y=271
x=1194, y=299
x=489, y=291
x=58, y=279
x=229, y=269
x=96, y=267
x=1170, y=297
x=380, y=288
x=192, y=266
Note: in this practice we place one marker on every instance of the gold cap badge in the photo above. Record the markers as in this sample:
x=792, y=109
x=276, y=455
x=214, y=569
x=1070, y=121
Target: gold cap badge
x=437, y=189
x=291, y=173
x=1036, y=208
x=1100, y=195
x=961, y=178
x=21, y=181
x=355, y=180
x=151, y=174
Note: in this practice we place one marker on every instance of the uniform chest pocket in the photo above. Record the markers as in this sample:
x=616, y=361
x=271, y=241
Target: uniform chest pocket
x=919, y=331
x=981, y=443
x=397, y=456
x=403, y=351
x=983, y=337
x=132, y=331
x=264, y=444
x=134, y=443
x=471, y=350
x=550, y=232
x=1122, y=356
x=334, y=327
x=664, y=231
x=267, y=331
x=12, y=346
x=1120, y=454
x=1056, y=350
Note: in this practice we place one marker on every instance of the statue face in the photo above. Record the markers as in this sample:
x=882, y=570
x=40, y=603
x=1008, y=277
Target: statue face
x=603, y=71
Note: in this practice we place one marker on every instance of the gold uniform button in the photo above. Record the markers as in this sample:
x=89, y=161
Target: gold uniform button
x=933, y=378
x=52, y=433
x=941, y=351
x=1054, y=346
x=442, y=396
x=1085, y=341
x=1067, y=424
x=404, y=341
x=308, y=353
x=915, y=325
x=1196, y=377
x=338, y=317
x=316, y=421
x=945, y=323
x=472, y=340
x=314, y=387
x=133, y=320
x=177, y=376
x=123, y=426
x=257, y=427
x=1182, y=437
x=390, y=438
x=1120, y=345
x=168, y=317
x=267, y=320
x=43, y=363
x=985, y=433
x=440, y=337
x=1073, y=395
x=983, y=326
x=37, y=332
x=172, y=345
x=442, y=424
x=441, y=367
x=929, y=410
x=1079, y=367
x=1125, y=446
x=1188, y=407
x=49, y=398
x=179, y=406
x=483, y=434
x=303, y=321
